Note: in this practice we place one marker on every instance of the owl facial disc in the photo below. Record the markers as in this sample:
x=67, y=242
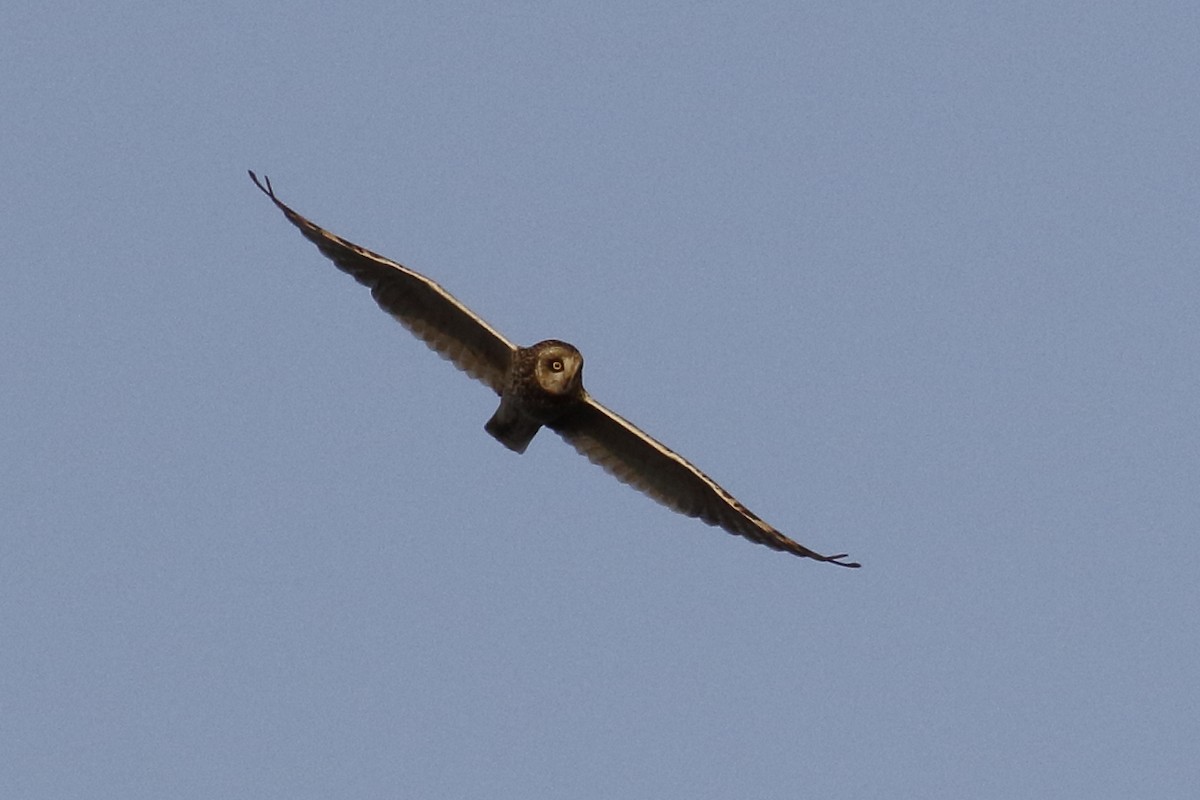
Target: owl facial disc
x=559, y=367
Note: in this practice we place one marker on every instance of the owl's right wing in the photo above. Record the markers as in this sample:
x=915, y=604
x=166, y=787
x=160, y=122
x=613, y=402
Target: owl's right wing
x=447, y=326
x=634, y=458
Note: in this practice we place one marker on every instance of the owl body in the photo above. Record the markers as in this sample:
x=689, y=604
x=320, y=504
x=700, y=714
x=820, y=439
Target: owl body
x=543, y=383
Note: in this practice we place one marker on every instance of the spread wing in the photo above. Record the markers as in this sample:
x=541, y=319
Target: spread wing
x=450, y=329
x=634, y=458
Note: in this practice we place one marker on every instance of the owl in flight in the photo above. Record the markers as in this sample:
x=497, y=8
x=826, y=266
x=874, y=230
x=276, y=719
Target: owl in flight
x=540, y=386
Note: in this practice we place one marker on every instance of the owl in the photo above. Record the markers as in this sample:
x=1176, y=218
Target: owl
x=541, y=386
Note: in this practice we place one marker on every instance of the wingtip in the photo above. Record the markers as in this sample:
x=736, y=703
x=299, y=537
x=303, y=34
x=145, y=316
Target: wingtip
x=267, y=190
x=848, y=564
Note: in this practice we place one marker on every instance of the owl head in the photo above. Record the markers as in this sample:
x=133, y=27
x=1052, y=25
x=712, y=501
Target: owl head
x=557, y=367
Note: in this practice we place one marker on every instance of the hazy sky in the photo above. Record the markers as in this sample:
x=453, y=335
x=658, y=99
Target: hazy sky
x=917, y=282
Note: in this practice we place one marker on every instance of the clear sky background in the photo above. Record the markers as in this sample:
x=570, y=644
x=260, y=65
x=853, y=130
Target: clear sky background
x=918, y=282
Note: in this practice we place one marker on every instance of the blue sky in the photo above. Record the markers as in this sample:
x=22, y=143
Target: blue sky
x=916, y=282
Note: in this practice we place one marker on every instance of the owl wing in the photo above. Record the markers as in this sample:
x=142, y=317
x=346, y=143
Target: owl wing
x=448, y=327
x=634, y=458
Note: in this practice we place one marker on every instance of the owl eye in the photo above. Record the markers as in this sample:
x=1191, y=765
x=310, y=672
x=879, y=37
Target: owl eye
x=556, y=365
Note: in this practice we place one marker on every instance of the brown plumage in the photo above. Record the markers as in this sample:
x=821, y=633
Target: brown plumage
x=541, y=386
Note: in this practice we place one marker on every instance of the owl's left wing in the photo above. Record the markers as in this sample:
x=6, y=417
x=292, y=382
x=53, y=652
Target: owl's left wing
x=634, y=458
x=448, y=327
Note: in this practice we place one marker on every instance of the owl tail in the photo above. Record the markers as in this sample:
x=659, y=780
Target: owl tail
x=511, y=428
